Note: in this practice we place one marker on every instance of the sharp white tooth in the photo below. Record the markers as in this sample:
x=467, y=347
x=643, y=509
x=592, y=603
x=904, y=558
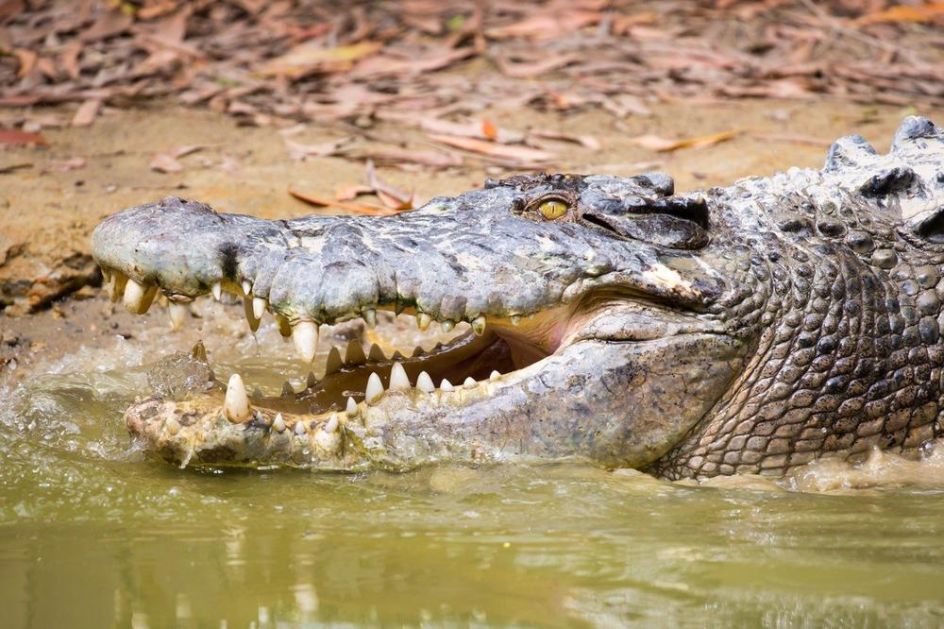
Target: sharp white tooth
x=445, y=385
x=424, y=383
x=334, y=363
x=351, y=408
x=106, y=275
x=247, y=288
x=312, y=380
x=375, y=389
x=423, y=320
x=376, y=354
x=278, y=424
x=399, y=381
x=515, y=319
x=370, y=317
x=332, y=424
x=258, y=306
x=447, y=325
x=478, y=325
x=138, y=297
x=172, y=425
x=495, y=375
x=300, y=428
x=217, y=290
x=250, y=315
x=470, y=383
x=354, y=355
x=418, y=351
x=285, y=328
x=287, y=390
x=305, y=336
x=236, y=402
x=178, y=314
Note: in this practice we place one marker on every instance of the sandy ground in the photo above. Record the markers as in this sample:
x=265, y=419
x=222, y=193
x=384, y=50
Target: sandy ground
x=47, y=212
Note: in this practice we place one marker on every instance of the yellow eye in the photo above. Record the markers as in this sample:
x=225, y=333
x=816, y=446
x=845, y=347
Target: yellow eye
x=553, y=209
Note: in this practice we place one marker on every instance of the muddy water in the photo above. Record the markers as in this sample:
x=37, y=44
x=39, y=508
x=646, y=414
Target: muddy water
x=93, y=534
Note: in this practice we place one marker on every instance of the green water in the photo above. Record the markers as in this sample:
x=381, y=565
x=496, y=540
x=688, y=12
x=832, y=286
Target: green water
x=92, y=534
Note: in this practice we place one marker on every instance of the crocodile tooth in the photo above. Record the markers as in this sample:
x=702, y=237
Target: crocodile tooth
x=236, y=402
x=495, y=375
x=285, y=328
x=424, y=383
x=351, y=408
x=305, y=336
x=258, y=306
x=217, y=290
x=250, y=315
x=447, y=325
x=332, y=424
x=312, y=380
x=370, y=317
x=445, y=385
x=374, y=389
x=376, y=354
x=138, y=297
x=178, y=314
x=278, y=424
x=300, y=428
x=354, y=355
x=287, y=389
x=470, y=383
x=399, y=381
x=478, y=325
x=418, y=351
x=515, y=319
x=172, y=425
x=423, y=320
x=247, y=288
x=106, y=275
x=199, y=352
x=334, y=363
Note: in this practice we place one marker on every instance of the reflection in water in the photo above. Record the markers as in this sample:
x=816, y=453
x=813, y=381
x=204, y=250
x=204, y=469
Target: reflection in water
x=93, y=534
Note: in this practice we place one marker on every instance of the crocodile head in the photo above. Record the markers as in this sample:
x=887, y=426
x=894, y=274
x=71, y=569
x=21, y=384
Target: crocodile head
x=595, y=317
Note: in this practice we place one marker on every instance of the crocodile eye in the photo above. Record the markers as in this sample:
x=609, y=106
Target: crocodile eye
x=553, y=209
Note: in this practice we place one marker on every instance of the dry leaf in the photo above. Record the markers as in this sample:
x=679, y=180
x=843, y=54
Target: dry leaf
x=164, y=163
x=518, y=154
x=73, y=163
x=15, y=137
x=300, y=152
x=396, y=156
x=904, y=13
x=663, y=145
x=313, y=199
x=310, y=57
x=391, y=196
x=535, y=68
x=489, y=130
x=584, y=140
x=86, y=113
x=351, y=191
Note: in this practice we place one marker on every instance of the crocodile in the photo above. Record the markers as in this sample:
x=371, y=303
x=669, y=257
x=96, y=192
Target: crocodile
x=746, y=329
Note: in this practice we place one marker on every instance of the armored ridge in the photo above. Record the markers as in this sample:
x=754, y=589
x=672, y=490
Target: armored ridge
x=752, y=328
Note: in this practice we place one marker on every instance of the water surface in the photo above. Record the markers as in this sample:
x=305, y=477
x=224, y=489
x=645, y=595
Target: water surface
x=93, y=534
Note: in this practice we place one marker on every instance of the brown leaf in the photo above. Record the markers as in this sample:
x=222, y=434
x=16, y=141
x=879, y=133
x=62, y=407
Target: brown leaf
x=164, y=163
x=313, y=199
x=547, y=26
x=584, y=140
x=391, y=196
x=300, y=152
x=351, y=191
x=535, y=68
x=663, y=145
x=15, y=137
x=396, y=156
x=489, y=130
x=904, y=13
x=517, y=154
x=434, y=60
x=27, y=60
x=309, y=57
x=69, y=59
x=86, y=113
x=73, y=163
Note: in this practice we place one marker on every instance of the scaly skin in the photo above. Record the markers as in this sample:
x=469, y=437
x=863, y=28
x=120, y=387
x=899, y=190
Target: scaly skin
x=752, y=328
